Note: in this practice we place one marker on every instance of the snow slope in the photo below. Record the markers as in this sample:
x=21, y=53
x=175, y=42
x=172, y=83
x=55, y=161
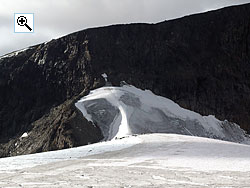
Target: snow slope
x=27, y=161
x=121, y=111
x=153, y=160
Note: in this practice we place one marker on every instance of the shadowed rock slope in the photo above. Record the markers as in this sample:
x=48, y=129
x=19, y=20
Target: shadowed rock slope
x=202, y=62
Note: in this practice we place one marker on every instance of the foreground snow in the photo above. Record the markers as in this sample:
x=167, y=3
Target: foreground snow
x=121, y=111
x=154, y=160
x=27, y=161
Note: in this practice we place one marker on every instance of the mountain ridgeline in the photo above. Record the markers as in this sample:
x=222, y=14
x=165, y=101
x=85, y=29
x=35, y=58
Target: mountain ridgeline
x=202, y=62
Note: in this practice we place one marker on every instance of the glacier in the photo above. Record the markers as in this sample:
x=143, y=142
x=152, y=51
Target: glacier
x=127, y=110
x=151, y=160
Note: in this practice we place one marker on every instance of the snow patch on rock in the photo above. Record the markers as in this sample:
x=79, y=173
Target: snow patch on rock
x=104, y=75
x=24, y=135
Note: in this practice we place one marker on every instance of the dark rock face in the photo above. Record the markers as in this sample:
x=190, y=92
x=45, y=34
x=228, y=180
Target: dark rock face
x=201, y=62
x=63, y=127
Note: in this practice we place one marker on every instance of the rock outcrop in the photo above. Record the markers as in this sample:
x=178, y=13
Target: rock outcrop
x=202, y=62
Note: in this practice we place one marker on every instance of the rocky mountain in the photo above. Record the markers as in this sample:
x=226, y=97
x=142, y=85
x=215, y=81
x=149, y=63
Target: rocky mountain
x=202, y=62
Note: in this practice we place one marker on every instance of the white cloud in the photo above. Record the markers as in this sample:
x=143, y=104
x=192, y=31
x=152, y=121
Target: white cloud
x=55, y=18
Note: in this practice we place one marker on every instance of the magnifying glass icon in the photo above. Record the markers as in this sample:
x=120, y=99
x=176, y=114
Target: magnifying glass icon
x=22, y=21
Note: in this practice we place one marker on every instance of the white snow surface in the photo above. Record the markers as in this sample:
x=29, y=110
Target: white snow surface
x=25, y=161
x=152, y=160
x=127, y=110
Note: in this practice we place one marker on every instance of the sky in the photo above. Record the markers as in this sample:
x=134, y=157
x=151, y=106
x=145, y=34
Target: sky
x=56, y=18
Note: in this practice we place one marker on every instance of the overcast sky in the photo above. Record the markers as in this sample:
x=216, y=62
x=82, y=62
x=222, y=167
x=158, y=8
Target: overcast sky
x=55, y=18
